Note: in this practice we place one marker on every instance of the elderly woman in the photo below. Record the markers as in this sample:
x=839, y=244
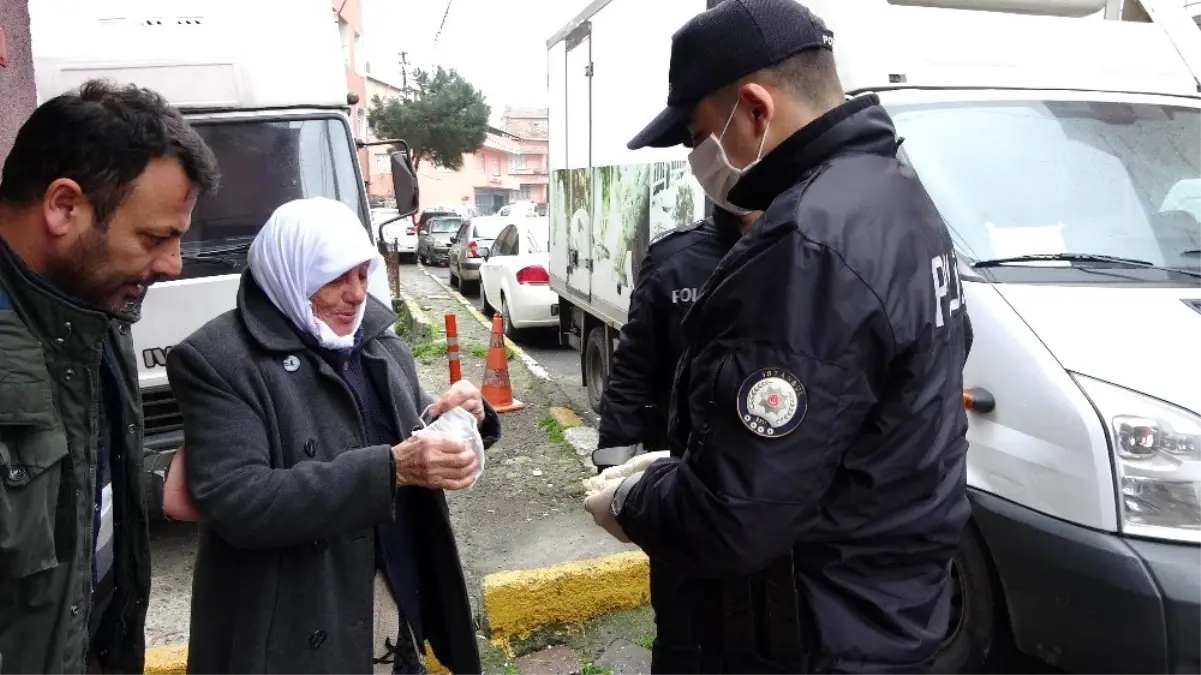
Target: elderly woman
x=299, y=410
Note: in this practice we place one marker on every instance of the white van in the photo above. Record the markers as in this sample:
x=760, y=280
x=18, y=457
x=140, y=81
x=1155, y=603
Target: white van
x=1064, y=152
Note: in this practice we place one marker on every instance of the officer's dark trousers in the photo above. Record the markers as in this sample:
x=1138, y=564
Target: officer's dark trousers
x=676, y=649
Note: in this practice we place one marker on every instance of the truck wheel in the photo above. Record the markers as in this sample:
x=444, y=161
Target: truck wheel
x=978, y=637
x=594, y=367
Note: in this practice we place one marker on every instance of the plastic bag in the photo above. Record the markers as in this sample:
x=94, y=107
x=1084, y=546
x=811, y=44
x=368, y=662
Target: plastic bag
x=642, y=462
x=460, y=424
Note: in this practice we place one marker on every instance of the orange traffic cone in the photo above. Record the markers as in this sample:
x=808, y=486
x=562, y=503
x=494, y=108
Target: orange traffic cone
x=496, y=389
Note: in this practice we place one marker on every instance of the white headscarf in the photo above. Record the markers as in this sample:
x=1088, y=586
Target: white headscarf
x=306, y=244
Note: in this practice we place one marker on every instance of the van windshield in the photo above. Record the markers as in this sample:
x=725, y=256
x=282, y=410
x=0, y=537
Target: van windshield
x=1053, y=178
x=264, y=164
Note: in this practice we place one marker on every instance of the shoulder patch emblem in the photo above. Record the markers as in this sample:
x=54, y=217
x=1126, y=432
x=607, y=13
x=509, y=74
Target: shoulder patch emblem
x=772, y=402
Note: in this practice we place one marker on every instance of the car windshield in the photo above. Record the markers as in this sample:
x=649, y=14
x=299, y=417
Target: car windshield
x=445, y=225
x=263, y=165
x=488, y=229
x=1049, y=178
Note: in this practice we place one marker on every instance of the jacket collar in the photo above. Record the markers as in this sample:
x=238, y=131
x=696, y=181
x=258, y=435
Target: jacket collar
x=50, y=315
x=275, y=332
x=860, y=125
x=729, y=226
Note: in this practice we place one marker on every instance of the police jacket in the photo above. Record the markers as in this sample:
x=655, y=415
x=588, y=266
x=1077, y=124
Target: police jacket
x=820, y=400
x=675, y=268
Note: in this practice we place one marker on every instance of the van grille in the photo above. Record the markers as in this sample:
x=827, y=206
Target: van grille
x=161, y=411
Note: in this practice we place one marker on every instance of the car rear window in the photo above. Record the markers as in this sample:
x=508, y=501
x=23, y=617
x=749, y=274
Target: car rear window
x=488, y=229
x=445, y=225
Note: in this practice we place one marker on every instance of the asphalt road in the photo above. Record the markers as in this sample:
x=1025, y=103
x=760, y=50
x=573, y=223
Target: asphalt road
x=561, y=362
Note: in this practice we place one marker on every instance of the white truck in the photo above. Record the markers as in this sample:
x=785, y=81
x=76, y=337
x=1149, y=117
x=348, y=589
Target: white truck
x=1061, y=141
x=263, y=82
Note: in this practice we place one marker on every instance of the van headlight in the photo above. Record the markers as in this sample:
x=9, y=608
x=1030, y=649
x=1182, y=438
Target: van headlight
x=1156, y=458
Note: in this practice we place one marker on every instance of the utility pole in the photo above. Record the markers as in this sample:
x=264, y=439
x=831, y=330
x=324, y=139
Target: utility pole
x=404, y=75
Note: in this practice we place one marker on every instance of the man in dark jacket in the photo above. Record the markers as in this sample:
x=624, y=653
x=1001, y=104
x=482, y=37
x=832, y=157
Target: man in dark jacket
x=822, y=494
x=638, y=390
x=94, y=197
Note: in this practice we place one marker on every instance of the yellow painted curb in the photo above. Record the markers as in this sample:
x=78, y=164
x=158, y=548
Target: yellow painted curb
x=573, y=592
x=169, y=660
x=475, y=313
x=566, y=417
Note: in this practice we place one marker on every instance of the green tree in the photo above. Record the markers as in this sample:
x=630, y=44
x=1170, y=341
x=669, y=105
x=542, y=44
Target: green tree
x=441, y=116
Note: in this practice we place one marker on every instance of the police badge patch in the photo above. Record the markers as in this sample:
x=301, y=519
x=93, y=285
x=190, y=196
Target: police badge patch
x=772, y=402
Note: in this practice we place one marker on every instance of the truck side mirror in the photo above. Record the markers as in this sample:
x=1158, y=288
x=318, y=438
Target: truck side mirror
x=404, y=183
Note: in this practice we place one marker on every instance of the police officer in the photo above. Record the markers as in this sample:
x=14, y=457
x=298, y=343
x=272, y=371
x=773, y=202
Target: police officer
x=675, y=268
x=822, y=494
x=670, y=278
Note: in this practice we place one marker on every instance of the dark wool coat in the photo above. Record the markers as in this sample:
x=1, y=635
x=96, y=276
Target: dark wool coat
x=278, y=462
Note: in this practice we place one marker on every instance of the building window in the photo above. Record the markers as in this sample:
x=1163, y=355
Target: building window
x=383, y=164
x=526, y=193
x=344, y=33
x=516, y=162
x=362, y=126
x=360, y=58
x=496, y=166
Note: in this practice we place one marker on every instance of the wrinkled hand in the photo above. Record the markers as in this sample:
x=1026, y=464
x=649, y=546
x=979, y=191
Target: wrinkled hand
x=599, y=505
x=462, y=394
x=435, y=461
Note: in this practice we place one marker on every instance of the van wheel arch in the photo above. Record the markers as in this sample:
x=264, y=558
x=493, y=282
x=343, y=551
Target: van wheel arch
x=980, y=640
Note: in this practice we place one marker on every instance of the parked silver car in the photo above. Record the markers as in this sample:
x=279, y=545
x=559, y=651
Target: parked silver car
x=468, y=250
x=433, y=240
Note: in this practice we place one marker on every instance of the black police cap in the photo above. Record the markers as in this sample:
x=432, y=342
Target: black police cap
x=721, y=45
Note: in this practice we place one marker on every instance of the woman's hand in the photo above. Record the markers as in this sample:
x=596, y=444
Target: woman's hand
x=462, y=394
x=435, y=461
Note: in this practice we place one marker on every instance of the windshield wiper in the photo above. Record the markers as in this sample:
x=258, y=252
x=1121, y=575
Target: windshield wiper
x=227, y=256
x=1062, y=257
x=1078, y=258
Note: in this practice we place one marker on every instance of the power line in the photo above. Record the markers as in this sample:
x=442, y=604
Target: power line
x=442, y=24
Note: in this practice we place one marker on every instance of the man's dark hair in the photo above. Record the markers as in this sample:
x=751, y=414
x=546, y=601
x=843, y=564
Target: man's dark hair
x=102, y=137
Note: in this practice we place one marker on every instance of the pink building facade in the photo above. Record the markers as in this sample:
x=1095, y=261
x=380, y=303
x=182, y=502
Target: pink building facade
x=18, y=94
x=510, y=167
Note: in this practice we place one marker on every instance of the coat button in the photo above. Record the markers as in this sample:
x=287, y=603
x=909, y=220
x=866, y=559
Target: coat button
x=68, y=375
x=74, y=610
x=17, y=474
x=131, y=429
x=124, y=328
x=320, y=545
x=310, y=447
x=317, y=639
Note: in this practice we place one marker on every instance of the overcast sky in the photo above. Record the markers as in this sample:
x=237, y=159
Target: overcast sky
x=498, y=45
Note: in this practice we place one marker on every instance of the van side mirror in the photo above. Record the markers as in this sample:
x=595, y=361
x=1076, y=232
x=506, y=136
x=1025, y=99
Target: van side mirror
x=404, y=183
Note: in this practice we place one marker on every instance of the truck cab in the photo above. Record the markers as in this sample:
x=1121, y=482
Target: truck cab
x=264, y=85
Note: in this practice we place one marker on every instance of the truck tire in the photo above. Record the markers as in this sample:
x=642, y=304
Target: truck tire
x=595, y=374
x=978, y=640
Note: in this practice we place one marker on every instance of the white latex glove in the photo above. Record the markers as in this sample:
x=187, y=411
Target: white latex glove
x=600, y=506
x=636, y=464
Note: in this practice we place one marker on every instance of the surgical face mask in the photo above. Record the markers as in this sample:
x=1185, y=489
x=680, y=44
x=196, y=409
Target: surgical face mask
x=460, y=424
x=713, y=169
